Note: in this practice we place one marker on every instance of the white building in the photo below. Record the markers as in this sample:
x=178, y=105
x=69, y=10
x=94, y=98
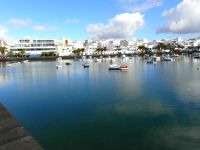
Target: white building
x=34, y=47
x=3, y=43
x=64, y=47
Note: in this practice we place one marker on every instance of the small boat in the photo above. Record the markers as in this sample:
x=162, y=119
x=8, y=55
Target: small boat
x=59, y=58
x=84, y=57
x=176, y=55
x=154, y=62
x=158, y=58
x=123, y=68
x=168, y=59
x=86, y=65
x=146, y=56
x=68, y=63
x=123, y=56
x=25, y=61
x=198, y=68
x=97, y=60
x=150, y=61
x=196, y=57
x=114, y=67
x=9, y=65
x=58, y=66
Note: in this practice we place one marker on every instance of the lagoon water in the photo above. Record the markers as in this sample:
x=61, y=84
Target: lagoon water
x=147, y=108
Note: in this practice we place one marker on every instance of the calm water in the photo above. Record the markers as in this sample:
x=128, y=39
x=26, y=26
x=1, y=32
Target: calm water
x=148, y=108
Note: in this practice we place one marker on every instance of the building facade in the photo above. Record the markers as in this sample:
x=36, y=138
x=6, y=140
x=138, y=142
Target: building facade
x=34, y=47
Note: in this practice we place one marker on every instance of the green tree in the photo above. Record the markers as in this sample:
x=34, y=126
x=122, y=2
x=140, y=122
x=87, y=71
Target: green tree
x=143, y=48
x=10, y=54
x=17, y=54
x=79, y=51
x=44, y=54
x=101, y=50
x=180, y=46
x=22, y=53
x=47, y=54
x=161, y=46
x=3, y=51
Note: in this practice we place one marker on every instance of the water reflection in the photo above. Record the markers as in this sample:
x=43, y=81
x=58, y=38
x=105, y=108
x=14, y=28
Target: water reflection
x=4, y=78
x=149, y=107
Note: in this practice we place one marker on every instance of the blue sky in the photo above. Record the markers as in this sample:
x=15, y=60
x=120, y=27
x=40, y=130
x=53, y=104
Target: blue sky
x=71, y=18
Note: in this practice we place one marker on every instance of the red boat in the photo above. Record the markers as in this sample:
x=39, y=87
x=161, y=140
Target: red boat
x=123, y=68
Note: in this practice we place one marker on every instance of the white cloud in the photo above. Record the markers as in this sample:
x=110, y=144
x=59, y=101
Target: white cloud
x=44, y=28
x=72, y=21
x=20, y=22
x=119, y=27
x=3, y=32
x=182, y=19
x=140, y=5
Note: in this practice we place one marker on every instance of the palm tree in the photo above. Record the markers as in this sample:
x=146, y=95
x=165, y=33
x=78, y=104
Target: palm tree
x=79, y=51
x=104, y=49
x=101, y=50
x=3, y=51
x=160, y=47
x=22, y=52
x=10, y=54
x=142, y=48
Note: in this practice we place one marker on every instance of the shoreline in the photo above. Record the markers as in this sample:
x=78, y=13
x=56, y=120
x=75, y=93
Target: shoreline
x=53, y=58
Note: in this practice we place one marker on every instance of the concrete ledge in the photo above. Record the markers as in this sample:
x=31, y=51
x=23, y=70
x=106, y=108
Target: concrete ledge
x=12, y=135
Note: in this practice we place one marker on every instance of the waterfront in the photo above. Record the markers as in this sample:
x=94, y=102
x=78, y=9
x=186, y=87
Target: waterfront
x=149, y=107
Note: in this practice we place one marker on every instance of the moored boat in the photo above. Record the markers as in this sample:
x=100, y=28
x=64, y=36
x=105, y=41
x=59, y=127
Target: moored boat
x=123, y=56
x=58, y=66
x=59, y=58
x=9, y=65
x=158, y=58
x=25, y=61
x=114, y=67
x=196, y=57
x=86, y=65
x=123, y=68
x=150, y=61
x=168, y=59
x=68, y=63
x=97, y=60
x=176, y=55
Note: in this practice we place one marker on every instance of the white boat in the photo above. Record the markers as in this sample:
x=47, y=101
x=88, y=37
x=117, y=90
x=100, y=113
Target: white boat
x=97, y=60
x=123, y=56
x=114, y=67
x=25, y=61
x=154, y=62
x=146, y=56
x=9, y=65
x=86, y=65
x=168, y=59
x=158, y=58
x=59, y=58
x=176, y=55
x=58, y=66
x=150, y=61
x=84, y=57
